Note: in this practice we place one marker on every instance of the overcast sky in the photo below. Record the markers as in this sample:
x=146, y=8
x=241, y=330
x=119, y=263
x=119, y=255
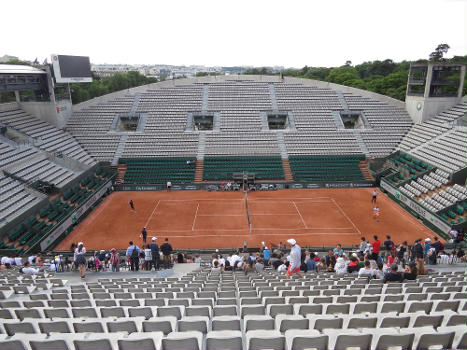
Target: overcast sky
x=290, y=33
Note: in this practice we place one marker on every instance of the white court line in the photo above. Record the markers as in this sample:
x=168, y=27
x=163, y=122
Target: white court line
x=248, y=235
x=202, y=199
x=154, y=210
x=221, y=215
x=298, y=211
x=194, y=220
x=272, y=214
x=288, y=198
x=343, y=213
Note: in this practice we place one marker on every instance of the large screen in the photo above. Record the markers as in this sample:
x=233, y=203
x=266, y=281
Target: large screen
x=71, y=69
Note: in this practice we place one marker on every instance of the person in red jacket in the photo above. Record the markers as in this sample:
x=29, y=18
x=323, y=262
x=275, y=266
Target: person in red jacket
x=376, y=248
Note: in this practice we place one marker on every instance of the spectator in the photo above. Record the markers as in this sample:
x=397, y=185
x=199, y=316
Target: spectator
x=330, y=260
x=155, y=253
x=376, y=246
x=267, y=255
x=148, y=258
x=367, y=270
x=353, y=264
x=401, y=253
x=418, y=249
x=410, y=272
x=379, y=271
x=338, y=251
x=166, y=250
x=278, y=262
x=197, y=259
x=388, y=246
x=259, y=265
x=28, y=270
x=311, y=263
x=181, y=258
x=132, y=253
x=363, y=246
x=391, y=259
x=393, y=275
x=437, y=245
x=19, y=261
x=295, y=259
x=340, y=267
x=426, y=248
x=321, y=265
x=420, y=266
x=114, y=260
x=216, y=267
x=80, y=260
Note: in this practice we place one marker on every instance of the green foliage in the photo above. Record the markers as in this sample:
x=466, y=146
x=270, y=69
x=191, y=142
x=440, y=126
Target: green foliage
x=85, y=91
x=437, y=55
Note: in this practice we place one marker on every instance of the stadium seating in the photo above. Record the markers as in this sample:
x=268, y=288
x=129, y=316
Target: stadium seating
x=32, y=229
x=222, y=168
x=326, y=168
x=159, y=170
x=439, y=140
x=204, y=310
x=240, y=130
x=45, y=136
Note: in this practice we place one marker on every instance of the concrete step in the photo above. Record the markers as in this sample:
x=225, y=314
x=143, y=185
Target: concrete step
x=199, y=171
x=363, y=165
x=287, y=170
x=121, y=170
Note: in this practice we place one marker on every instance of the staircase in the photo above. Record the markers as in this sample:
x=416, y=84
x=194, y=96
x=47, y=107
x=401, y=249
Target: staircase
x=199, y=171
x=120, y=149
x=121, y=170
x=201, y=146
x=363, y=165
x=287, y=171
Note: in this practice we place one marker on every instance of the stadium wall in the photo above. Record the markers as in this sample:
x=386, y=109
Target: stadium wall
x=257, y=78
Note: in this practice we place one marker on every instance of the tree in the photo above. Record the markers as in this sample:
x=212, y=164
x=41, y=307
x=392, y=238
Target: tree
x=437, y=55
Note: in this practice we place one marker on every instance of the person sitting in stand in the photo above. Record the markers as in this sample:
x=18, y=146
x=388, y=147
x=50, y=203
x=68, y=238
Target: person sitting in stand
x=393, y=275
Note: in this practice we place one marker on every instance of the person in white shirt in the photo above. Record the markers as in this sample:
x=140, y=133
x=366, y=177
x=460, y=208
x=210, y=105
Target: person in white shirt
x=295, y=259
x=375, y=194
x=28, y=270
x=340, y=267
x=6, y=260
x=367, y=270
x=18, y=261
x=31, y=259
x=169, y=185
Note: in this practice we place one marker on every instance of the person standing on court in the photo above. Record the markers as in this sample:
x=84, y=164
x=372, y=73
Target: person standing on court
x=375, y=194
x=132, y=253
x=132, y=205
x=166, y=250
x=144, y=234
x=155, y=253
x=295, y=259
x=169, y=186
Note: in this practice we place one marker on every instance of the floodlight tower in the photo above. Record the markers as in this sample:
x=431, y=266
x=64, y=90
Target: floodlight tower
x=433, y=87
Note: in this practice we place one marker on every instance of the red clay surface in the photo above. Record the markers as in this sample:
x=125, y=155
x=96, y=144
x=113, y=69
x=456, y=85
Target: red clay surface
x=200, y=219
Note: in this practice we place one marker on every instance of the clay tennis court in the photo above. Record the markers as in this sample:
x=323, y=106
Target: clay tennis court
x=201, y=219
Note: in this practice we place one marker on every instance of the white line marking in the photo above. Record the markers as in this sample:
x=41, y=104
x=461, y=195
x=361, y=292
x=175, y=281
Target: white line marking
x=248, y=235
x=273, y=214
x=194, y=220
x=221, y=215
x=343, y=212
x=298, y=211
x=154, y=210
